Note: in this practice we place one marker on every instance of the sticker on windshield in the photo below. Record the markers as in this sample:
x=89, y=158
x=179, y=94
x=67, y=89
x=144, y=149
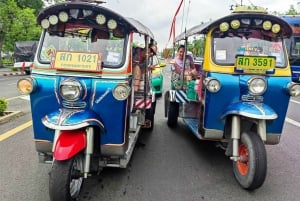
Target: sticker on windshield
x=220, y=54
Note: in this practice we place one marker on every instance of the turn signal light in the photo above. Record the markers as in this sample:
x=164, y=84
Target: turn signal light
x=26, y=85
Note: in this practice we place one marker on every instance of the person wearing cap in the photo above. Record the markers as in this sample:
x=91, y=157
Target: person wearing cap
x=139, y=62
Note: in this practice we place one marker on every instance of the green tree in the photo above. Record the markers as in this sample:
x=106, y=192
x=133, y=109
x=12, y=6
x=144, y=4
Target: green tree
x=16, y=24
x=292, y=11
x=37, y=5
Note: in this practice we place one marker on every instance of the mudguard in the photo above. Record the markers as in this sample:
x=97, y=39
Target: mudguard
x=250, y=109
x=69, y=143
x=64, y=119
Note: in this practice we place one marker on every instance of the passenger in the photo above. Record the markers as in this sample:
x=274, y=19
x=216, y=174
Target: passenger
x=179, y=63
x=139, y=63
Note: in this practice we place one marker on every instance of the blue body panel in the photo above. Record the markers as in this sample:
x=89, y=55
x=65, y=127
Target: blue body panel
x=228, y=100
x=98, y=101
x=251, y=109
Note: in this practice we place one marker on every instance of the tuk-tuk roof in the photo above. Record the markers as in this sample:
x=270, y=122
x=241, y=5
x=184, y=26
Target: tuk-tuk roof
x=130, y=23
x=205, y=27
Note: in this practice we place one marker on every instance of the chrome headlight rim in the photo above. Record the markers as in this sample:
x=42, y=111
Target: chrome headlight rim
x=121, y=92
x=70, y=90
x=213, y=85
x=253, y=87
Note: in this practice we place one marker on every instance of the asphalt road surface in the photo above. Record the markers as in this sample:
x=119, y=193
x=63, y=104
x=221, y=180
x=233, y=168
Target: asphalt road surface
x=167, y=164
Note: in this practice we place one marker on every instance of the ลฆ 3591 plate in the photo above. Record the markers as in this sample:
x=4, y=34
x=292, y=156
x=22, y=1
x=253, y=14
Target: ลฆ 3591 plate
x=255, y=64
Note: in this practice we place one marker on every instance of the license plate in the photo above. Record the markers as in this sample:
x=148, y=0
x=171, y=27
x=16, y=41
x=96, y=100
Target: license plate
x=255, y=64
x=77, y=61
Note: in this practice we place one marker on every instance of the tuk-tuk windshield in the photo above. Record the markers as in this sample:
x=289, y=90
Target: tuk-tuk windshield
x=250, y=42
x=110, y=44
x=293, y=46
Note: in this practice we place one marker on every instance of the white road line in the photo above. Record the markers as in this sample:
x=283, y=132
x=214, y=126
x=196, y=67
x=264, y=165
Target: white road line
x=291, y=121
x=16, y=97
x=26, y=97
x=295, y=101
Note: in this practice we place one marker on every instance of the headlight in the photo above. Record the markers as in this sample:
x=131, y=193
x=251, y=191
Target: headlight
x=53, y=19
x=294, y=89
x=235, y=24
x=224, y=26
x=257, y=85
x=212, y=84
x=63, y=16
x=100, y=19
x=45, y=23
x=26, y=85
x=121, y=92
x=112, y=24
x=70, y=90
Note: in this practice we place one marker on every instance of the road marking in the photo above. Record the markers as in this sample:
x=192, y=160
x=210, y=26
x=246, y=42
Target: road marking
x=291, y=121
x=295, y=101
x=16, y=97
x=15, y=131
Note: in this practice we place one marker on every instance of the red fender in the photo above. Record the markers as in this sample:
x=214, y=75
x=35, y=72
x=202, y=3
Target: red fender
x=69, y=143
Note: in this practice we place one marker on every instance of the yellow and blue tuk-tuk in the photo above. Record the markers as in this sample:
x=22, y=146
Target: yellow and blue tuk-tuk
x=240, y=96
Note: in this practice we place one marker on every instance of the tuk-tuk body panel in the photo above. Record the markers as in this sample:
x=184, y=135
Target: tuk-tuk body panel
x=98, y=101
x=233, y=88
x=213, y=107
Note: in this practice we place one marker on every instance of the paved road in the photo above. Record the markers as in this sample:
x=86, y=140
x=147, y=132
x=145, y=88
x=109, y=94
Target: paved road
x=167, y=165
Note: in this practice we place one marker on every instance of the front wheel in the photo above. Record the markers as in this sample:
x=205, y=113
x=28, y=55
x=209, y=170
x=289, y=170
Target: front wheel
x=66, y=179
x=251, y=168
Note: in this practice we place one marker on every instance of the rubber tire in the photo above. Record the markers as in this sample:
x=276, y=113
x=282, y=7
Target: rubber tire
x=150, y=115
x=27, y=72
x=173, y=111
x=257, y=162
x=60, y=180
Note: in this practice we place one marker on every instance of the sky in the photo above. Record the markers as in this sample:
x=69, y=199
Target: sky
x=158, y=14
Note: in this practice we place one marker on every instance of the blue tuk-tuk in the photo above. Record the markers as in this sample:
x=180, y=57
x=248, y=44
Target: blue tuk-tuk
x=86, y=114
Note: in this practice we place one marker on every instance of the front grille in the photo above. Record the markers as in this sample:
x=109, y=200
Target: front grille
x=74, y=105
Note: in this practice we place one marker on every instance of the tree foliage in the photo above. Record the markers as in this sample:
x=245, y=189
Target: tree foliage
x=16, y=24
x=37, y=5
x=292, y=11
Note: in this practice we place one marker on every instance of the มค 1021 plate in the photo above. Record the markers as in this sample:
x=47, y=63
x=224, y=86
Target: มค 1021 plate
x=255, y=64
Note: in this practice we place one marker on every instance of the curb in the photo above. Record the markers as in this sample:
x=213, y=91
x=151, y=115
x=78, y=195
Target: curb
x=9, y=116
x=13, y=73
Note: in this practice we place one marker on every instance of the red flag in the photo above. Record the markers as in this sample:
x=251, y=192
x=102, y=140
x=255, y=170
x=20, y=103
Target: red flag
x=172, y=31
